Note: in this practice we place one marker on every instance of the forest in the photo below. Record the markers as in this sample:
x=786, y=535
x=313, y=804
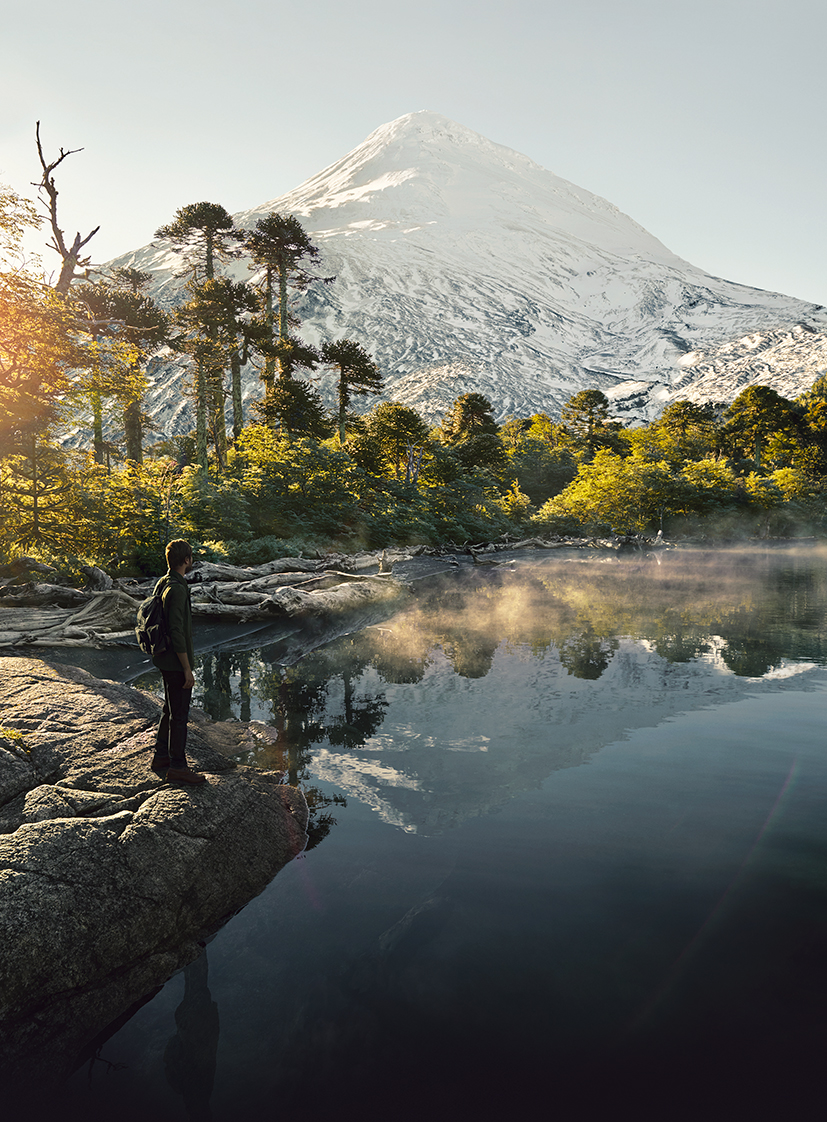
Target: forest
x=289, y=474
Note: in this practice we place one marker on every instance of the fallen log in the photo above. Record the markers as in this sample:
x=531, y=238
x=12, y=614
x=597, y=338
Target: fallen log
x=102, y=614
x=207, y=571
x=44, y=595
x=292, y=602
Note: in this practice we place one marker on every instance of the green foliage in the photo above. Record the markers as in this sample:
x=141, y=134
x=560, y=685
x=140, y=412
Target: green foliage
x=294, y=408
x=296, y=487
x=358, y=374
x=206, y=233
x=616, y=492
x=395, y=431
x=684, y=431
x=586, y=425
x=470, y=414
x=516, y=505
x=290, y=485
x=541, y=470
x=261, y=550
x=38, y=350
x=35, y=485
x=758, y=415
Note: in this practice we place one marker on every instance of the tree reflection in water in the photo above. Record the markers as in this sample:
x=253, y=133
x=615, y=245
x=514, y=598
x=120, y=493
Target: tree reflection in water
x=587, y=655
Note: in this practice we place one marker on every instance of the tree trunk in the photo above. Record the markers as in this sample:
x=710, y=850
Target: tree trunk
x=283, y=326
x=97, y=427
x=218, y=420
x=35, y=486
x=133, y=430
x=238, y=405
x=268, y=374
x=343, y=402
x=201, y=416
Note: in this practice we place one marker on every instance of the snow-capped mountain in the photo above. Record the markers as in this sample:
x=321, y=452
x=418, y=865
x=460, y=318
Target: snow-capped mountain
x=462, y=265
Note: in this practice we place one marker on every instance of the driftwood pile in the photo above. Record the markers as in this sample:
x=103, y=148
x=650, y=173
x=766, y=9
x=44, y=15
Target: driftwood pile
x=44, y=614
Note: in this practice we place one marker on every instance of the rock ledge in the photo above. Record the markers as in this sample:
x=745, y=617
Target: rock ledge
x=109, y=878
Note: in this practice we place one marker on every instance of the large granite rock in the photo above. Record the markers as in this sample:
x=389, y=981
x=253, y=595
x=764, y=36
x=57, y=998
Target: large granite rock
x=109, y=878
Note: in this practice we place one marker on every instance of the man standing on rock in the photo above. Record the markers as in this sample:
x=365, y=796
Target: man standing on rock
x=176, y=666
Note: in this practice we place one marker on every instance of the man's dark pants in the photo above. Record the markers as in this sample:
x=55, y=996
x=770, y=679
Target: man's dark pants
x=172, y=731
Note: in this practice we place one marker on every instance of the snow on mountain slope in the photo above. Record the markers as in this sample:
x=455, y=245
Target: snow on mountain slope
x=461, y=265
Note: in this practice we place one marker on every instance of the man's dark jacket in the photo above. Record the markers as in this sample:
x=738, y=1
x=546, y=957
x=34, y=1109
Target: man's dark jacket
x=175, y=596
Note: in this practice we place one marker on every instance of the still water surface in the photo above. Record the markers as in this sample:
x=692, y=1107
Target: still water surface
x=568, y=854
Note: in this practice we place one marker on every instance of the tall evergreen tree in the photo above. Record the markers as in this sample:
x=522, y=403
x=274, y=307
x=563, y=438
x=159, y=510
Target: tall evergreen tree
x=201, y=319
x=756, y=414
x=473, y=435
x=585, y=420
x=471, y=414
x=396, y=429
x=358, y=374
x=207, y=235
x=280, y=247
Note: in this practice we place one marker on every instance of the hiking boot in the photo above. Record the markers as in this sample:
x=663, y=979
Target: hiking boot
x=159, y=763
x=185, y=775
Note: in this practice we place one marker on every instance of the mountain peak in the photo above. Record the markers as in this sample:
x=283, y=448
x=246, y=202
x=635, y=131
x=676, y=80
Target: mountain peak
x=462, y=264
x=425, y=172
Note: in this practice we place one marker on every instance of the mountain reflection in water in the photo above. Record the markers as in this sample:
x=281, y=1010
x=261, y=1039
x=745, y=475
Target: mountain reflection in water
x=502, y=659
x=482, y=926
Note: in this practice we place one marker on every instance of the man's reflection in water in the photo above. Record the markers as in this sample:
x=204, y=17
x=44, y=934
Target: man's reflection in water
x=189, y=1057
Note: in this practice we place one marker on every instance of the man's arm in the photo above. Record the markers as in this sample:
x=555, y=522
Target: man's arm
x=189, y=676
x=175, y=602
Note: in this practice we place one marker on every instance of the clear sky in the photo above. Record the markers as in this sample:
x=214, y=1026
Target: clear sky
x=703, y=121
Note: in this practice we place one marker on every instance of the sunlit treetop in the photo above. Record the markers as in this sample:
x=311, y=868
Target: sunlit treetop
x=16, y=216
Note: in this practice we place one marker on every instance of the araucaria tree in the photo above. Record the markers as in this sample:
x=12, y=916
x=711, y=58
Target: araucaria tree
x=586, y=422
x=358, y=374
x=280, y=247
x=206, y=234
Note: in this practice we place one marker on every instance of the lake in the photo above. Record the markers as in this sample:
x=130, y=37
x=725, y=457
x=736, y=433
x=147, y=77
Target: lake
x=568, y=853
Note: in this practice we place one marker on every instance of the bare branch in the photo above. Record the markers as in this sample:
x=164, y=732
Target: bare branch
x=71, y=258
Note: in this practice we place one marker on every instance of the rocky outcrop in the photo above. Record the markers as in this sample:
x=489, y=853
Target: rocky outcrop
x=110, y=878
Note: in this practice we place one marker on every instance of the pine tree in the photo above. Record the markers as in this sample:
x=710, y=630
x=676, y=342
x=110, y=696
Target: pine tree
x=34, y=485
x=756, y=414
x=396, y=429
x=471, y=414
x=295, y=408
x=206, y=233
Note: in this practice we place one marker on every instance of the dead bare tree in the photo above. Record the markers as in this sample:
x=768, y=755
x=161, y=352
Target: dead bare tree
x=71, y=257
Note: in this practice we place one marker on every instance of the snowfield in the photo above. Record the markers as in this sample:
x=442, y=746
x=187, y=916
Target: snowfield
x=462, y=265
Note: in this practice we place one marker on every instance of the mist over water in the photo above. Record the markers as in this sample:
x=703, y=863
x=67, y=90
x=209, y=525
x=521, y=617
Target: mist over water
x=567, y=849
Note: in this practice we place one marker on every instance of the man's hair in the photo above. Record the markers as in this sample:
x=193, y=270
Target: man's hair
x=178, y=552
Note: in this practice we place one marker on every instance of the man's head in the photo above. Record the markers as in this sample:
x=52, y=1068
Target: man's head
x=179, y=553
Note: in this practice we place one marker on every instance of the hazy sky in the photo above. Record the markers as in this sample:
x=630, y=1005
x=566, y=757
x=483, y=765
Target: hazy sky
x=704, y=121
